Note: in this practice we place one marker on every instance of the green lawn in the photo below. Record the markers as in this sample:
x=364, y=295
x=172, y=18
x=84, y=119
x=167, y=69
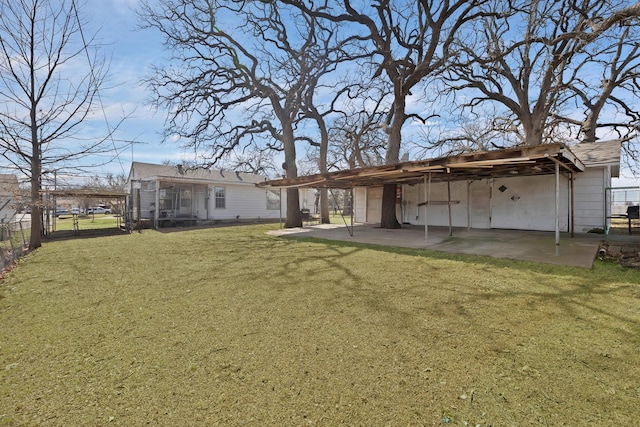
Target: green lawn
x=87, y=222
x=231, y=326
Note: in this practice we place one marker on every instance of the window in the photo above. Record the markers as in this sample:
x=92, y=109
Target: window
x=185, y=199
x=273, y=200
x=220, y=197
x=167, y=197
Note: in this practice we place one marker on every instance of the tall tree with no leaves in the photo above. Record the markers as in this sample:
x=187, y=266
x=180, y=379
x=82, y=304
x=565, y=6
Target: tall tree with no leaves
x=409, y=41
x=50, y=80
x=605, y=85
x=240, y=74
x=533, y=57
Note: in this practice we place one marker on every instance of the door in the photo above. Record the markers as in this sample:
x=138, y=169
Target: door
x=480, y=208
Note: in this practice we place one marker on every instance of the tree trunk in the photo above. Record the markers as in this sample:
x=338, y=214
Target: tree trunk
x=324, y=206
x=35, y=241
x=532, y=126
x=388, y=218
x=322, y=165
x=294, y=216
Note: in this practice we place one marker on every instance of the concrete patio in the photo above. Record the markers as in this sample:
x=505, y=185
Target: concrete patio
x=535, y=246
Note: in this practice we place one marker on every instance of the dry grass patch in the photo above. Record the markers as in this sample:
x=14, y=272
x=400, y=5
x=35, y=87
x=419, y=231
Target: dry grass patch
x=233, y=327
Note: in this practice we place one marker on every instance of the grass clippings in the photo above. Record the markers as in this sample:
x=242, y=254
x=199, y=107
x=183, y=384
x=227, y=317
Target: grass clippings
x=231, y=326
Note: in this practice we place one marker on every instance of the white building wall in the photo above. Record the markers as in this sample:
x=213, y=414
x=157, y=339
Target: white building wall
x=147, y=203
x=308, y=199
x=200, y=200
x=243, y=202
x=374, y=205
x=528, y=203
x=360, y=204
x=480, y=200
x=589, y=199
x=437, y=214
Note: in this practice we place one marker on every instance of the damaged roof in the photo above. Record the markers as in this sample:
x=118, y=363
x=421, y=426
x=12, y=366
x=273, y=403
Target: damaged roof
x=518, y=161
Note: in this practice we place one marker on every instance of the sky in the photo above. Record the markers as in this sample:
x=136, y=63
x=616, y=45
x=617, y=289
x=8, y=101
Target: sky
x=132, y=52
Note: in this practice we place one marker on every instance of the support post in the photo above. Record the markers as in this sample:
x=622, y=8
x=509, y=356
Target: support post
x=449, y=203
x=280, y=214
x=353, y=206
x=156, y=212
x=571, y=200
x=557, y=209
x=468, y=205
x=427, y=195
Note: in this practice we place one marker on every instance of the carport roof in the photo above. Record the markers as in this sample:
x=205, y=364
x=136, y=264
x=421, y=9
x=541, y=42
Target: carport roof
x=520, y=161
x=88, y=193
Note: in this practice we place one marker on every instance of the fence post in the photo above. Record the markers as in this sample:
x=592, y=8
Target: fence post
x=24, y=241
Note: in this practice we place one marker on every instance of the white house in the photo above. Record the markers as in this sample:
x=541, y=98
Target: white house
x=168, y=195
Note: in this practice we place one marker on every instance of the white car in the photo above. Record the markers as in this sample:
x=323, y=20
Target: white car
x=99, y=210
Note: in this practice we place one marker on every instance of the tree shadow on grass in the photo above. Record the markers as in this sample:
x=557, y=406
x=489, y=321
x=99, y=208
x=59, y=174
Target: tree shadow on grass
x=577, y=293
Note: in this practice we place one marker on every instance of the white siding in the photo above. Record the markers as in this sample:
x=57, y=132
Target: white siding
x=147, y=203
x=374, y=204
x=242, y=202
x=411, y=196
x=480, y=203
x=528, y=203
x=308, y=199
x=589, y=203
x=200, y=207
x=360, y=204
x=437, y=214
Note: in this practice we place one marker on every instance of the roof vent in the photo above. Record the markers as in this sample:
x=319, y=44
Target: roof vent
x=180, y=169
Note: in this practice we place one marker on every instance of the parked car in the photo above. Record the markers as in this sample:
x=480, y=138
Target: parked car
x=99, y=210
x=75, y=211
x=62, y=211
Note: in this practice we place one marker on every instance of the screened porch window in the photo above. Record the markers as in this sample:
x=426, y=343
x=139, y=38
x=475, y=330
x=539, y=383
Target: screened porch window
x=220, y=195
x=185, y=199
x=168, y=198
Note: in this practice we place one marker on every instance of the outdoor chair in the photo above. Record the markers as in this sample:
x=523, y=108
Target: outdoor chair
x=633, y=212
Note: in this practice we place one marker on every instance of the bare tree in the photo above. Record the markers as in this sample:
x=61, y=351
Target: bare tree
x=342, y=128
x=529, y=59
x=357, y=128
x=607, y=78
x=236, y=86
x=50, y=81
x=409, y=41
x=471, y=132
x=327, y=55
x=252, y=159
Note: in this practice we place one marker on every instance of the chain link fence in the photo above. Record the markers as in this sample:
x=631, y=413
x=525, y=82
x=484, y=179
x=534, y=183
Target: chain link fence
x=14, y=238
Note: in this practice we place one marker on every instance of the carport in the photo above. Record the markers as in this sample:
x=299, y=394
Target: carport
x=119, y=197
x=549, y=159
